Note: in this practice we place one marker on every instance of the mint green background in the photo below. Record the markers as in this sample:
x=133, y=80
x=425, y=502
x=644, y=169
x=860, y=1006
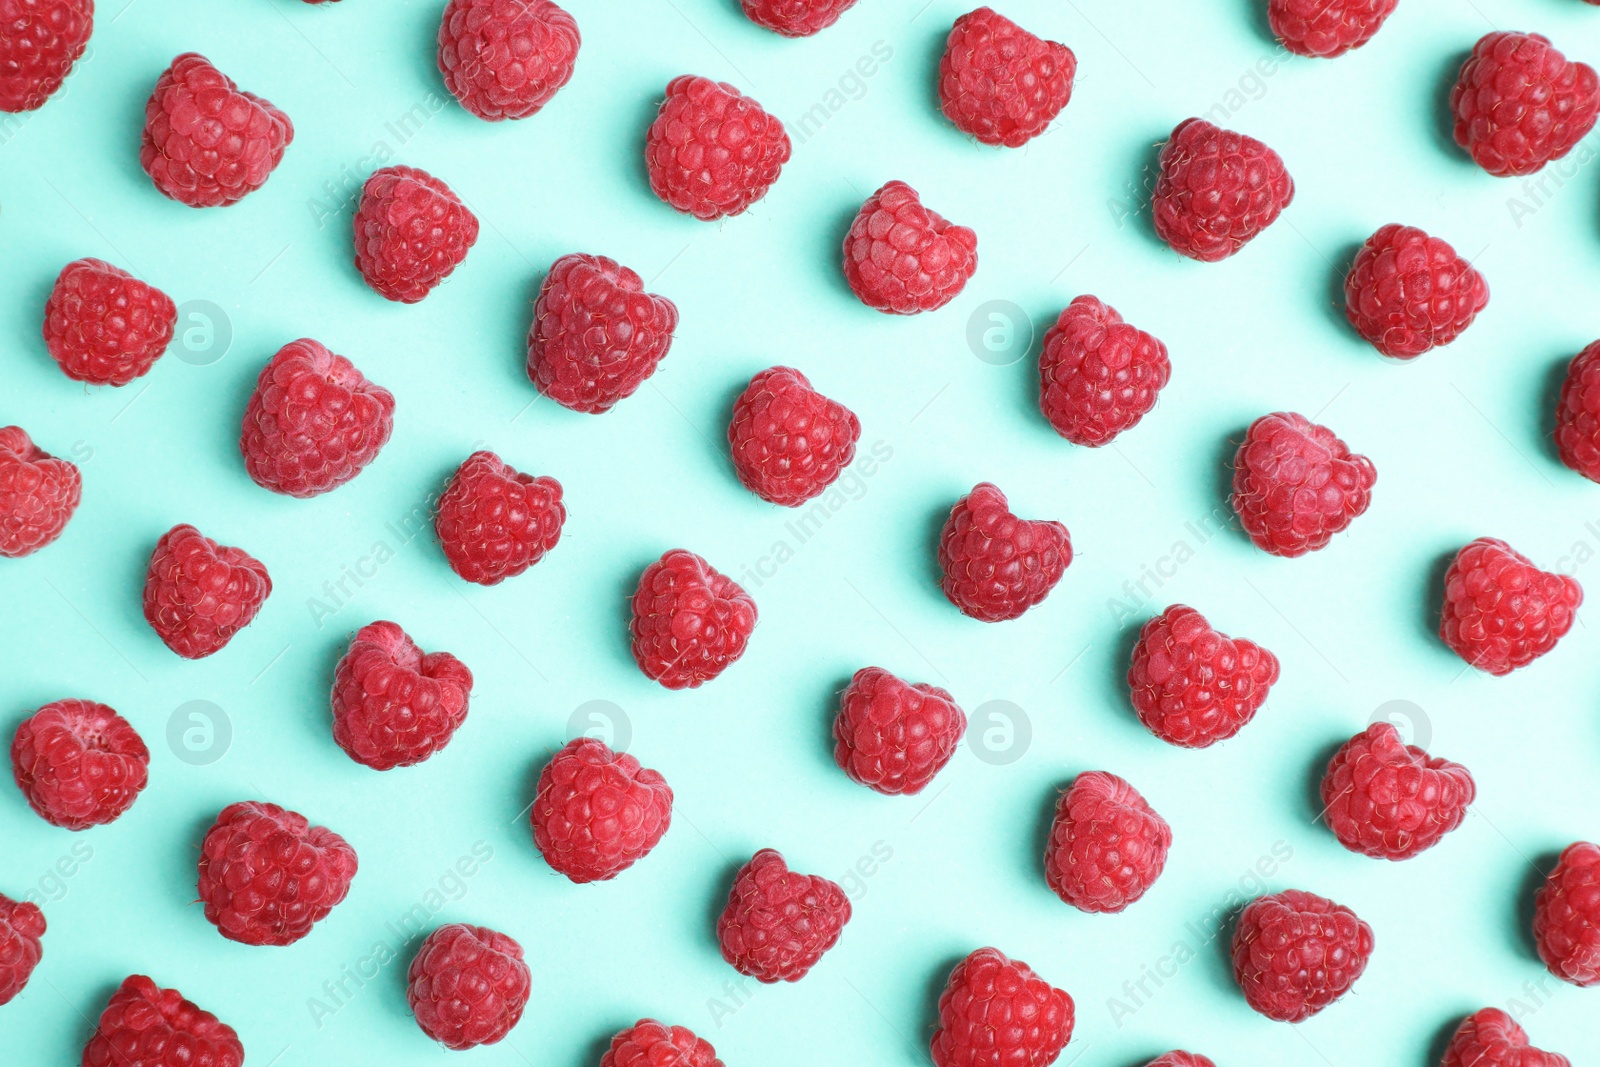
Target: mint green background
x=1460, y=438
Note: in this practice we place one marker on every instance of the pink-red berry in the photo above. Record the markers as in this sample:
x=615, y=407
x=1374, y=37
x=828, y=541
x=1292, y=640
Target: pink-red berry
x=1193, y=685
x=788, y=441
x=267, y=875
x=893, y=736
x=996, y=1012
x=103, y=325
x=1578, y=414
x=411, y=231
x=495, y=522
x=1217, y=190
x=1181, y=1059
x=1107, y=845
x=1295, y=953
x=902, y=258
x=1491, y=1038
x=1566, y=916
x=1408, y=292
x=198, y=593
x=40, y=40
x=598, y=812
x=207, y=143
x=1327, y=28
x=393, y=704
x=38, y=494
x=79, y=763
x=995, y=565
x=1389, y=800
x=468, y=985
x=144, y=1025
x=648, y=1043
x=778, y=923
x=506, y=59
x=712, y=151
x=1296, y=484
x=21, y=928
x=1501, y=612
x=1098, y=375
x=1520, y=104
x=689, y=622
x=1000, y=83
x=796, y=18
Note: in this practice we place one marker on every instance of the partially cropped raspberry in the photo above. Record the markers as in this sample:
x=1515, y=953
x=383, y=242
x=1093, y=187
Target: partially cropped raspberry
x=1520, y=104
x=1217, y=190
x=995, y=1012
x=506, y=59
x=648, y=1043
x=393, y=704
x=1407, y=292
x=79, y=763
x=1107, y=845
x=147, y=1026
x=1491, y=1038
x=712, y=151
x=38, y=494
x=598, y=812
x=40, y=40
x=495, y=522
x=796, y=18
x=1501, y=612
x=411, y=231
x=901, y=258
x=313, y=422
x=1193, y=685
x=103, y=325
x=198, y=593
x=207, y=143
x=1566, y=916
x=1578, y=414
x=1295, y=953
x=1390, y=800
x=788, y=441
x=1327, y=28
x=467, y=985
x=1296, y=484
x=21, y=927
x=596, y=334
x=267, y=874
x=1098, y=376
x=690, y=622
x=1181, y=1059
x=996, y=566
x=777, y=923
x=1000, y=83
x=893, y=736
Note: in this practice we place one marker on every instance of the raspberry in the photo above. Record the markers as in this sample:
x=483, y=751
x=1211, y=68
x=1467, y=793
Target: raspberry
x=648, y=1043
x=1000, y=83
x=147, y=1026
x=596, y=335
x=778, y=923
x=712, y=151
x=1500, y=611
x=506, y=59
x=1107, y=845
x=995, y=1012
x=38, y=494
x=495, y=522
x=1491, y=1038
x=1327, y=28
x=1294, y=953
x=393, y=705
x=21, y=927
x=893, y=736
x=788, y=441
x=103, y=325
x=313, y=422
x=198, y=594
x=995, y=565
x=1519, y=103
x=1566, y=916
x=1217, y=190
x=598, y=812
x=1407, y=292
x=796, y=18
x=467, y=985
x=41, y=41
x=1295, y=484
x=1098, y=376
x=1578, y=414
x=79, y=763
x=1181, y=1059
x=411, y=231
x=901, y=258
x=1389, y=800
x=206, y=142
x=689, y=621
x=267, y=874
x=1194, y=686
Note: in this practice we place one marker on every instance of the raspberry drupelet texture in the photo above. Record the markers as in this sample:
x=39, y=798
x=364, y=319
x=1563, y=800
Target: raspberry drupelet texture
x=796, y=18
x=506, y=59
x=1098, y=376
x=1107, y=845
x=596, y=334
x=598, y=812
x=494, y=522
x=79, y=763
x=313, y=422
x=1491, y=1038
x=892, y=736
x=1327, y=28
x=144, y=1025
x=1566, y=916
x=788, y=441
x=206, y=142
x=267, y=875
x=411, y=231
x=712, y=151
x=103, y=325
x=21, y=928
x=40, y=40
x=1296, y=484
x=467, y=985
x=996, y=566
x=1408, y=292
x=1519, y=103
x=1181, y=1059
x=394, y=705
x=1389, y=800
x=1192, y=685
x=198, y=593
x=1501, y=612
x=1216, y=190
x=689, y=622
x=1578, y=414
x=38, y=494
x=648, y=1043
x=1000, y=83
x=902, y=258
x=777, y=923
x=1295, y=953
x=996, y=1012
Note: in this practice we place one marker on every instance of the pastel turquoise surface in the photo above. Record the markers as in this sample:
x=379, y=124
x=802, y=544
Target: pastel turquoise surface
x=1461, y=440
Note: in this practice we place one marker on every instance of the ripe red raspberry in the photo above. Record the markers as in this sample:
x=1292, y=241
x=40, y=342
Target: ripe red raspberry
x=648, y=1043
x=267, y=874
x=79, y=763
x=38, y=494
x=411, y=231
x=393, y=705
x=689, y=621
x=893, y=736
x=1389, y=800
x=995, y=565
x=1566, y=916
x=467, y=985
x=1294, y=953
x=1491, y=1038
x=198, y=593
x=788, y=441
x=777, y=923
x=995, y=1012
x=1578, y=414
x=1327, y=28
x=1194, y=686
x=103, y=325
x=901, y=258
x=147, y=1026
x=1000, y=83
x=21, y=927
x=1295, y=484
x=712, y=151
x=796, y=18
x=40, y=42
x=206, y=142
x=596, y=334
x=1107, y=845
x=1217, y=190
x=598, y=812
x=506, y=59
x=313, y=422
x=1181, y=1059
x=495, y=522
x=1098, y=376
x=1500, y=611
x=1519, y=103
x=1407, y=292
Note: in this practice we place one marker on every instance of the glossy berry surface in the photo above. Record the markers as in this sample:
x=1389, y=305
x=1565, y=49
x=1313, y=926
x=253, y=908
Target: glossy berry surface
x=598, y=812
x=79, y=763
